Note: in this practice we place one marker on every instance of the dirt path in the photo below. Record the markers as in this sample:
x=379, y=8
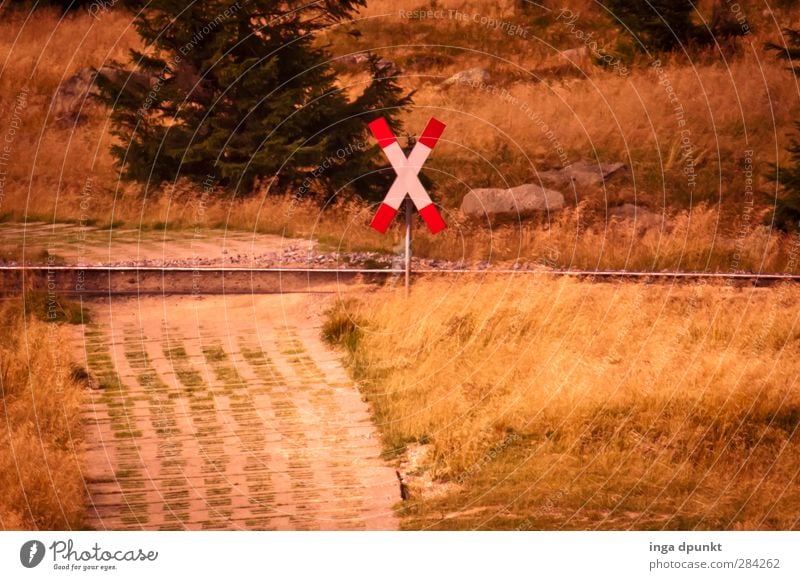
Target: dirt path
x=74, y=245
x=227, y=413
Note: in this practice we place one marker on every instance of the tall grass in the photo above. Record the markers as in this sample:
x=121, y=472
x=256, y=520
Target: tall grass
x=583, y=238
x=738, y=107
x=731, y=101
x=41, y=439
x=52, y=163
x=631, y=406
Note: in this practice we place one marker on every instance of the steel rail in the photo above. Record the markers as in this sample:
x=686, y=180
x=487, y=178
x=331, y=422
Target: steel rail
x=417, y=271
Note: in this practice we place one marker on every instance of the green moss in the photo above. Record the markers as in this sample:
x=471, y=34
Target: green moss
x=54, y=308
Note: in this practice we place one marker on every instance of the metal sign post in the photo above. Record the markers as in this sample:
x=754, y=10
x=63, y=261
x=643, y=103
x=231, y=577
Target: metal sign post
x=409, y=208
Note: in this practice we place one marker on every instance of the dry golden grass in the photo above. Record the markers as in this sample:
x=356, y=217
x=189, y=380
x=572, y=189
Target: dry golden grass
x=41, y=486
x=52, y=163
x=581, y=239
x=560, y=404
x=732, y=103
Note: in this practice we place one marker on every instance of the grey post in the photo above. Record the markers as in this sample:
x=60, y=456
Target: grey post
x=409, y=209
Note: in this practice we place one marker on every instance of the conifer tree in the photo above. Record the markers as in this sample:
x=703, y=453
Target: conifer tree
x=241, y=90
x=787, y=204
x=659, y=25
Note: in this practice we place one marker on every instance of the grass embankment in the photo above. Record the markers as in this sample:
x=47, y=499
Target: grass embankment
x=558, y=404
x=41, y=486
x=734, y=104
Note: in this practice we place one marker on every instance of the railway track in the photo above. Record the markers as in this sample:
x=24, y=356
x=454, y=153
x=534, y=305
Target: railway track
x=135, y=280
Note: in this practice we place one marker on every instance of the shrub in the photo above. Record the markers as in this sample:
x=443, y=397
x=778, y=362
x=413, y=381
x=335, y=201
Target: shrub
x=343, y=327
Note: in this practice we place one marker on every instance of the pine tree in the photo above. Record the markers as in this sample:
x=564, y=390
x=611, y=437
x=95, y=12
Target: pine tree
x=787, y=205
x=242, y=91
x=658, y=25
x=68, y=5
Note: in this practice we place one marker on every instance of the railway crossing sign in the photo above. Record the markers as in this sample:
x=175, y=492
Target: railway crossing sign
x=407, y=180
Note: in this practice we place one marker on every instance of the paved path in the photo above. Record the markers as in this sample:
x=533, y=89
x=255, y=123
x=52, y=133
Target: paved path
x=227, y=413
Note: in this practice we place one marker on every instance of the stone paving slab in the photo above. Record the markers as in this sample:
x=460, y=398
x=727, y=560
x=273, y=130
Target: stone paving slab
x=227, y=412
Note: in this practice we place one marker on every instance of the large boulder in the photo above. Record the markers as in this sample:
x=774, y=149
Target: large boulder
x=525, y=199
x=582, y=173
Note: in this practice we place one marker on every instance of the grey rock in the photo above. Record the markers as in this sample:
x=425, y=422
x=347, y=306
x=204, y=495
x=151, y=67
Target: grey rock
x=358, y=58
x=582, y=173
x=121, y=77
x=642, y=217
x=517, y=200
x=384, y=65
x=575, y=54
x=388, y=67
x=473, y=76
x=74, y=96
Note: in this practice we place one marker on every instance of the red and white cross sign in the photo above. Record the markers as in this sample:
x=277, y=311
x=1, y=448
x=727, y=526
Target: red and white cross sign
x=407, y=169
